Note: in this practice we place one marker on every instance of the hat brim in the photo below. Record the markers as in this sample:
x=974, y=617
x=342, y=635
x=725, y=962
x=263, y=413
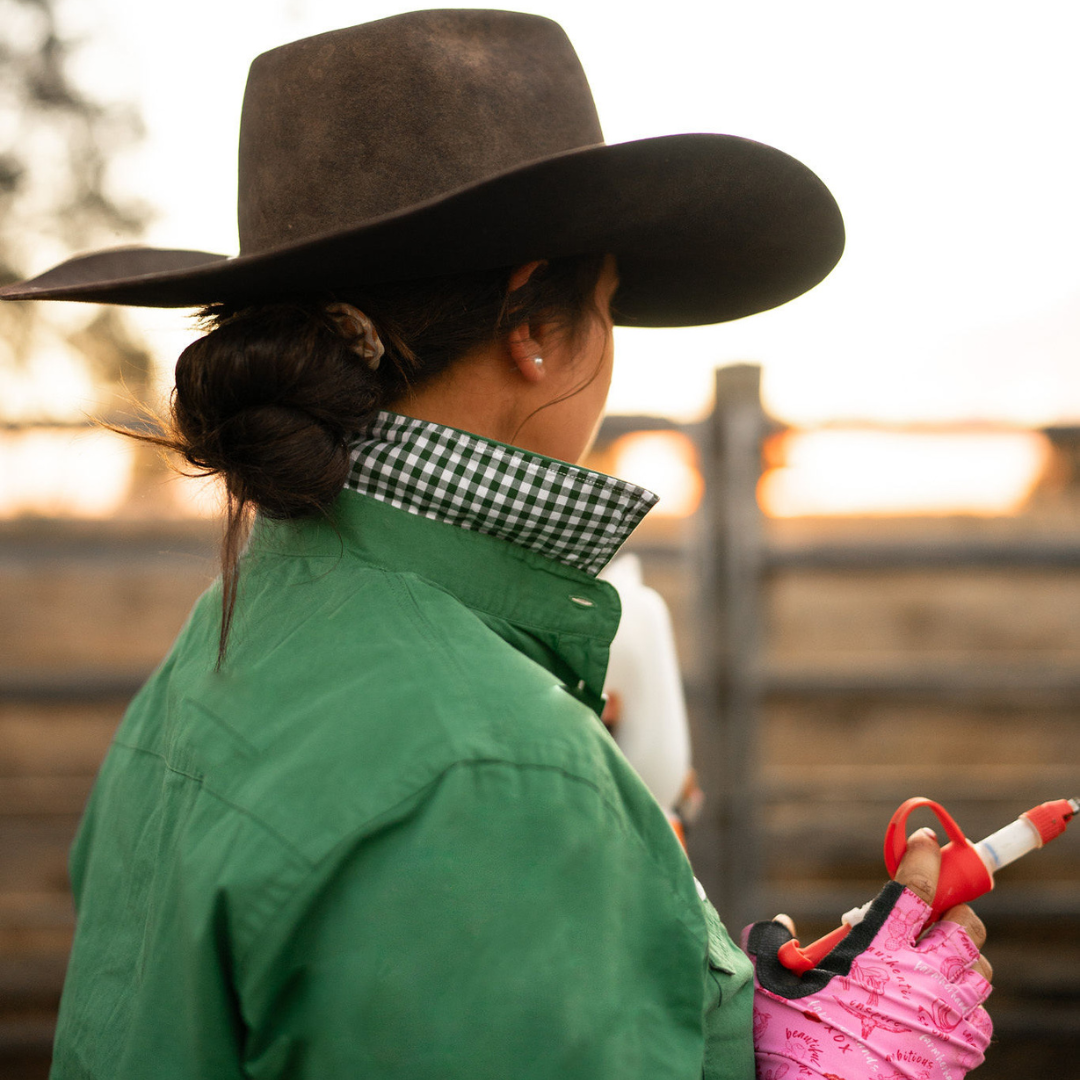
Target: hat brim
x=706, y=228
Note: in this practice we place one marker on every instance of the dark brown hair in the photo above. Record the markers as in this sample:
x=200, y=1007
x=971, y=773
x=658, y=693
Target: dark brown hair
x=272, y=396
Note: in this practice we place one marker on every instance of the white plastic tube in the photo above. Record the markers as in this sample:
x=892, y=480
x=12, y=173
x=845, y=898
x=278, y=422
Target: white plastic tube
x=652, y=731
x=1008, y=844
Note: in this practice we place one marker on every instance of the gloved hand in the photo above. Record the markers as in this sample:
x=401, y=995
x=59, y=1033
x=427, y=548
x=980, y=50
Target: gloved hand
x=885, y=1003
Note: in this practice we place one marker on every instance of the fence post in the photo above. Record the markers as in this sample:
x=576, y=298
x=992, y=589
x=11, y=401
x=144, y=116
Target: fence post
x=732, y=622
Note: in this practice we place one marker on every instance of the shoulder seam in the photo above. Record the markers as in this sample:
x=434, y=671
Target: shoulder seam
x=199, y=779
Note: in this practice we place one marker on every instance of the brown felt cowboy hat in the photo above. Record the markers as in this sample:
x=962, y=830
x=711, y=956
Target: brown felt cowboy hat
x=445, y=141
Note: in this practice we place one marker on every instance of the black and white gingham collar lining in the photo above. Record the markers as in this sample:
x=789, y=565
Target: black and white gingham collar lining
x=561, y=511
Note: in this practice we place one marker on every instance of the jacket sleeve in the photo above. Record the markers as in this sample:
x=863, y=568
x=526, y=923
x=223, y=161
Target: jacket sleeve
x=508, y=923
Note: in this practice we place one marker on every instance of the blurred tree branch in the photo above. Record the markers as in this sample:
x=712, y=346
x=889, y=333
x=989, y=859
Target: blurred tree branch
x=56, y=145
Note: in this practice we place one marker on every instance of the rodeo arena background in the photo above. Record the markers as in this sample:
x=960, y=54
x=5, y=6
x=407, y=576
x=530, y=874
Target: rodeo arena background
x=862, y=581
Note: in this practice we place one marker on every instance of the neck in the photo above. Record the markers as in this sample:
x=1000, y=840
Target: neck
x=484, y=393
x=477, y=393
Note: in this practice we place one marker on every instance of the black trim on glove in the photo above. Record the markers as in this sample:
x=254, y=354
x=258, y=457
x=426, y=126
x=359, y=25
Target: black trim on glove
x=766, y=938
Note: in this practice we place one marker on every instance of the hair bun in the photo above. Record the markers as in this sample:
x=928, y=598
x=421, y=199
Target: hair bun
x=270, y=400
x=281, y=458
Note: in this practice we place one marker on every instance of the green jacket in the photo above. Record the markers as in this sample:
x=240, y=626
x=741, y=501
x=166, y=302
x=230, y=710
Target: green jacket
x=391, y=838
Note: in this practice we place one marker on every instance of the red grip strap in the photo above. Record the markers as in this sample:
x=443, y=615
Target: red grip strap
x=963, y=874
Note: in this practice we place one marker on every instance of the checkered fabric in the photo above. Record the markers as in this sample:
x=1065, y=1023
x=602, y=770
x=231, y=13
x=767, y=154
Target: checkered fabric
x=561, y=511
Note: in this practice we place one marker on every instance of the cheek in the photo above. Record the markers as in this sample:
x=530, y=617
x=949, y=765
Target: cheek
x=607, y=362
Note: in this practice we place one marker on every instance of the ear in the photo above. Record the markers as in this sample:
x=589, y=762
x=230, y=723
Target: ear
x=525, y=351
x=522, y=273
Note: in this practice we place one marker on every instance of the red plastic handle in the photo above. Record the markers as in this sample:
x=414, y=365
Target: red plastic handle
x=963, y=877
x=963, y=874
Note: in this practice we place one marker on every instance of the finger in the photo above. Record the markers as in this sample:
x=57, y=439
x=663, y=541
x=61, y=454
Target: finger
x=921, y=865
x=612, y=710
x=786, y=920
x=963, y=916
x=955, y=940
x=982, y=966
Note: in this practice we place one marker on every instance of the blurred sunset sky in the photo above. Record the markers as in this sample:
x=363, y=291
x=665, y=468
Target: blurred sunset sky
x=947, y=131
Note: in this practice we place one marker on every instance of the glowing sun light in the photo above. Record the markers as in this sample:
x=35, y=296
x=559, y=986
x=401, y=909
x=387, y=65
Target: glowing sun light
x=883, y=472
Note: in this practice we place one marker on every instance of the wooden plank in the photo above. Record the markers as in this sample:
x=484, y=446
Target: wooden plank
x=79, y=615
x=37, y=933
x=35, y=854
x=55, y=739
x=964, y=616
x=24, y=1037
x=24, y=540
x=1041, y=1022
x=45, y=911
x=952, y=553
x=32, y=980
x=1022, y=784
x=881, y=733
x=998, y=679
x=36, y=927
x=731, y=622
x=43, y=795
x=1033, y=967
x=72, y=684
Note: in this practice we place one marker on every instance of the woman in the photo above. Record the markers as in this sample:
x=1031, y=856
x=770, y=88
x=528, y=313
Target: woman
x=364, y=820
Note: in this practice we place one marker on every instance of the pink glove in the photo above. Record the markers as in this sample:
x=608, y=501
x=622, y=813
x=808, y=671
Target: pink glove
x=880, y=1005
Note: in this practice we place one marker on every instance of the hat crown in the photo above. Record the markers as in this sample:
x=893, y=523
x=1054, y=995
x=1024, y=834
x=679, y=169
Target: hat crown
x=351, y=125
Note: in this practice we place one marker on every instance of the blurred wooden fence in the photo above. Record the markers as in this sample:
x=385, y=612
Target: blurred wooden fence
x=832, y=671
x=835, y=668
x=86, y=610
x=844, y=668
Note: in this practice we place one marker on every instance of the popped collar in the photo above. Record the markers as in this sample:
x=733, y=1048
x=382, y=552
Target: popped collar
x=561, y=511
x=527, y=536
